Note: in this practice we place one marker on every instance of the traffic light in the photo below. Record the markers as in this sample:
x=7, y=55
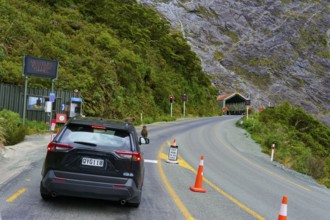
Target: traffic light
x=184, y=97
x=171, y=98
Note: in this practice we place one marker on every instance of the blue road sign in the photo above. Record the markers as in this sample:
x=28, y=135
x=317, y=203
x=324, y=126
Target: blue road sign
x=52, y=97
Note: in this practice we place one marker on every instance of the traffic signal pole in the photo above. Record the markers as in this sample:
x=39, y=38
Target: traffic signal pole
x=51, y=110
x=171, y=108
x=171, y=97
x=247, y=112
x=184, y=99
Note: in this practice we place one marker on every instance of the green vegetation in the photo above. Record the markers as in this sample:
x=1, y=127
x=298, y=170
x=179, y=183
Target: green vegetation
x=313, y=36
x=302, y=142
x=284, y=2
x=125, y=60
x=208, y=13
x=36, y=127
x=260, y=80
x=324, y=54
x=232, y=36
x=123, y=57
x=11, y=129
x=2, y=134
x=261, y=61
x=218, y=55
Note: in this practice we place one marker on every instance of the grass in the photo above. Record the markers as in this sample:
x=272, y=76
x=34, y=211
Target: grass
x=302, y=142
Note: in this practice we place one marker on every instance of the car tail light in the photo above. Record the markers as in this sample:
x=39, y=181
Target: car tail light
x=119, y=186
x=135, y=156
x=99, y=127
x=60, y=180
x=52, y=146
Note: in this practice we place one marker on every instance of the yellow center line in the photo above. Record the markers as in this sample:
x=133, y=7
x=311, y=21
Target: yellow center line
x=15, y=195
x=172, y=193
x=184, y=164
x=261, y=168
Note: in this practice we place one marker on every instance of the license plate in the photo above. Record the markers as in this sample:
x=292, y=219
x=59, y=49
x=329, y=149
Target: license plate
x=92, y=162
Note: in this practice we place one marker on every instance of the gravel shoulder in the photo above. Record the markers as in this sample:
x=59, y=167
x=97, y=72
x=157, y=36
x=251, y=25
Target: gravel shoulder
x=14, y=159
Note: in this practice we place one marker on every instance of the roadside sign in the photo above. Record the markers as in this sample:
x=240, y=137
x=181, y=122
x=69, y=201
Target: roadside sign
x=52, y=97
x=40, y=67
x=53, y=125
x=260, y=108
x=247, y=102
x=61, y=118
x=173, y=154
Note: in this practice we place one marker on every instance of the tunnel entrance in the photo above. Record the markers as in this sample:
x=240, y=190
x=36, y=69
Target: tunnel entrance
x=233, y=104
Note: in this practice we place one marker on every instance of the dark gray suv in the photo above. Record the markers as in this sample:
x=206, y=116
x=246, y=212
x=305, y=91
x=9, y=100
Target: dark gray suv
x=95, y=158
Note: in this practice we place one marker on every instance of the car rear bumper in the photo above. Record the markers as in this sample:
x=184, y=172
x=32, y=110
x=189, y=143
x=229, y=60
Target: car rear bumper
x=61, y=183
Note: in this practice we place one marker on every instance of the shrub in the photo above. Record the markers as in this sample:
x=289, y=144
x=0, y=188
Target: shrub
x=299, y=155
x=148, y=120
x=2, y=135
x=15, y=132
x=316, y=167
x=302, y=142
x=166, y=118
x=16, y=135
x=251, y=125
x=326, y=178
x=34, y=127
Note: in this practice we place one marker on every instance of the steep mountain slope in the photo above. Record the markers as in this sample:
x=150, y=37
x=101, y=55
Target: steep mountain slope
x=122, y=57
x=270, y=50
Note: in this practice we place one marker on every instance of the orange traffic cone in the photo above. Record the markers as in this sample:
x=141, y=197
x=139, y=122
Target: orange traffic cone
x=284, y=209
x=199, y=178
x=174, y=142
x=172, y=153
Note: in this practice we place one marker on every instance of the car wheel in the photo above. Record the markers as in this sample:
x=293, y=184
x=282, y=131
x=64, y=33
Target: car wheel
x=44, y=194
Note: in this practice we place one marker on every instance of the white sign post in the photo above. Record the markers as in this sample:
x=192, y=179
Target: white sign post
x=273, y=149
x=173, y=154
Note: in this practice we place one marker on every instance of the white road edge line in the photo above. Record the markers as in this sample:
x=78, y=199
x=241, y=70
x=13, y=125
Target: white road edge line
x=147, y=161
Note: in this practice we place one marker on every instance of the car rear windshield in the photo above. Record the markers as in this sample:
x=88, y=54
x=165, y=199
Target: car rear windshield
x=96, y=136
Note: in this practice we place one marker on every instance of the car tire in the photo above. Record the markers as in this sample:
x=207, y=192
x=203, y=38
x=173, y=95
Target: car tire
x=44, y=194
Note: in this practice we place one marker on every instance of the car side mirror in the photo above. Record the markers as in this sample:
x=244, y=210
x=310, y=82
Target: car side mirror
x=143, y=140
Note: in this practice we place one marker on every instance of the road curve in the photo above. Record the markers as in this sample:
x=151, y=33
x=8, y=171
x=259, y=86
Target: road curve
x=240, y=181
x=236, y=171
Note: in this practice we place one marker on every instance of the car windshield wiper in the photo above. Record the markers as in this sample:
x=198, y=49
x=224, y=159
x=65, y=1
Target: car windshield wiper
x=85, y=143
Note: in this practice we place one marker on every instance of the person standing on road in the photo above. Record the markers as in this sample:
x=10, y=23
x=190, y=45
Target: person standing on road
x=144, y=132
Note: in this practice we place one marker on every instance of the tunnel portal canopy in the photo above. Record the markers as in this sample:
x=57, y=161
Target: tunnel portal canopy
x=232, y=104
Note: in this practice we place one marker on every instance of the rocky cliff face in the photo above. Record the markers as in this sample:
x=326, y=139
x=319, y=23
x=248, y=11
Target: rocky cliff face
x=270, y=50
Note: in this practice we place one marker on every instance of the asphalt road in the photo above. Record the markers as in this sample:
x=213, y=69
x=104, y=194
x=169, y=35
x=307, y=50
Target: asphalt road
x=240, y=182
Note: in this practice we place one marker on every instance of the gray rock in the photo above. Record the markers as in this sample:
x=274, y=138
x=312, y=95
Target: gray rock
x=272, y=50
